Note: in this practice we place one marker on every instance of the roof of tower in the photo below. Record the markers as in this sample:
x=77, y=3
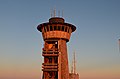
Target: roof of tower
x=56, y=20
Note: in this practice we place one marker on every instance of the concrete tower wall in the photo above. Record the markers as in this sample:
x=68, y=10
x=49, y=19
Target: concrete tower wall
x=64, y=60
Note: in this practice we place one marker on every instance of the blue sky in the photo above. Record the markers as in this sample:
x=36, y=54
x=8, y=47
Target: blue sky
x=95, y=41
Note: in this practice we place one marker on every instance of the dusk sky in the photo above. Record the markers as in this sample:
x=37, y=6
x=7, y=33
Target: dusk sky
x=95, y=40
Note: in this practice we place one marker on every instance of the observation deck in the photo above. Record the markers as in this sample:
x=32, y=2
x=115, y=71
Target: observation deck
x=56, y=28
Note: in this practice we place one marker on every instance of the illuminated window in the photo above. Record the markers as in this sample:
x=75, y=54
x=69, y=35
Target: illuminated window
x=47, y=28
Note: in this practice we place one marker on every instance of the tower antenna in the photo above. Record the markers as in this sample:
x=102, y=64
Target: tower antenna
x=72, y=67
x=59, y=13
x=62, y=13
x=74, y=63
x=119, y=44
x=54, y=12
x=51, y=13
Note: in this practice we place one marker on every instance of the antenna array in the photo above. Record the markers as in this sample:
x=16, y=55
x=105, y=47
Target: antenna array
x=53, y=13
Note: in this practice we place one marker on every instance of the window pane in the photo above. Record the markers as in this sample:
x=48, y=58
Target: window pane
x=56, y=59
x=65, y=29
x=59, y=28
x=62, y=28
x=55, y=28
x=68, y=29
x=47, y=28
x=51, y=28
x=50, y=60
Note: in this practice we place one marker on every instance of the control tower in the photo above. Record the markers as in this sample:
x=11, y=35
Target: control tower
x=56, y=33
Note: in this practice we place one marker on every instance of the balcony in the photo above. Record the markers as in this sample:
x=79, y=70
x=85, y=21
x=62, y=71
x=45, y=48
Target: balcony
x=50, y=50
x=49, y=69
x=49, y=54
x=49, y=64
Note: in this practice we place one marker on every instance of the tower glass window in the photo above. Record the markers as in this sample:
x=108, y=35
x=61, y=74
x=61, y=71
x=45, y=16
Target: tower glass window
x=68, y=30
x=55, y=28
x=51, y=28
x=50, y=59
x=47, y=28
x=55, y=59
x=56, y=45
x=59, y=28
x=65, y=29
x=62, y=28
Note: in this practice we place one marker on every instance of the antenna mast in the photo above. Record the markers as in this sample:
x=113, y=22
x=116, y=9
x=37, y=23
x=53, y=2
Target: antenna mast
x=54, y=12
x=119, y=44
x=72, y=67
x=62, y=13
x=59, y=13
x=74, y=63
x=51, y=13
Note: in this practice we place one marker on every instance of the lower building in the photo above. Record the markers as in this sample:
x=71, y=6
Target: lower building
x=73, y=76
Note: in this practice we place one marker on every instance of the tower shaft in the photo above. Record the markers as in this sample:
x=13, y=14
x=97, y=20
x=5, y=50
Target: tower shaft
x=64, y=60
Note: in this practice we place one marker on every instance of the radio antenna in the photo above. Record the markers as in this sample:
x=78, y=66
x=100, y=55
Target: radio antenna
x=54, y=12
x=59, y=13
x=119, y=44
x=62, y=13
x=51, y=13
x=74, y=63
